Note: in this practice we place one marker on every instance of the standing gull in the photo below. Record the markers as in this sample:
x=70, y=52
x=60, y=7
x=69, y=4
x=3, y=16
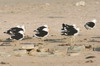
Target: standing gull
x=90, y=25
x=70, y=30
x=42, y=31
x=16, y=33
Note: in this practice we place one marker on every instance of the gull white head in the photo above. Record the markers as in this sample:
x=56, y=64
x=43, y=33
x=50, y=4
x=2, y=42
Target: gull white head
x=46, y=26
x=46, y=29
x=23, y=27
x=21, y=32
x=74, y=25
x=94, y=20
x=77, y=32
x=18, y=26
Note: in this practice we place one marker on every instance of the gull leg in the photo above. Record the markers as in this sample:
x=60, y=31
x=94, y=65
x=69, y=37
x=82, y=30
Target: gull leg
x=70, y=39
x=73, y=40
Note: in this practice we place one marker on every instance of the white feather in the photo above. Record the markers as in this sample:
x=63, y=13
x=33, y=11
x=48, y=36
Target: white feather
x=94, y=20
x=46, y=29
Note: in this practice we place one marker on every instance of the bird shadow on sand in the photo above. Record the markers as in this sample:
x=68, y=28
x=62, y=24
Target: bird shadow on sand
x=54, y=40
x=94, y=41
x=55, y=17
x=5, y=42
x=96, y=37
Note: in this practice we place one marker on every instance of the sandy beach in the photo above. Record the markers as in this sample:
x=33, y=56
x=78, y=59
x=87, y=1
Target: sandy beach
x=35, y=13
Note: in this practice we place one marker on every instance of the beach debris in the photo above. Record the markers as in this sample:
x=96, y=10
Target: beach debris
x=44, y=50
x=60, y=50
x=85, y=39
x=73, y=54
x=60, y=53
x=97, y=3
x=64, y=45
x=39, y=51
x=47, y=4
x=96, y=49
x=75, y=50
x=89, y=61
x=27, y=46
x=81, y=3
x=90, y=57
x=18, y=52
x=41, y=54
x=88, y=46
x=2, y=62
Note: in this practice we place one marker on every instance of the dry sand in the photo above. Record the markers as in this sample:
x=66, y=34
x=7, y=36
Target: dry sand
x=34, y=13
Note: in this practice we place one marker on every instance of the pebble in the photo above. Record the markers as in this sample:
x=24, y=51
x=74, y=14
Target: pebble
x=44, y=50
x=35, y=53
x=90, y=57
x=3, y=62
x=47, y=4
x=97, y=2
x=89, y=61
x=27, y=46
x=73, y=54
x=81, y=3
x=88, y=46
x=60, y=53
x=75, y=50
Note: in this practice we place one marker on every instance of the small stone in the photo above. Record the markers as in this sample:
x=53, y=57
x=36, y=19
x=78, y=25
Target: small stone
x=75, y=50
x=44, y=50
x=90, y=57
x=73, y=54
x=97, y=2
x=43, y=54
x=27, y=46
x=60, y=53
x=3, y=62
x=35, y=53
x=81, y=3
x=88, y=46
x=85, y=39
x=89, y=61
x=64, y=45
x=47, y=4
